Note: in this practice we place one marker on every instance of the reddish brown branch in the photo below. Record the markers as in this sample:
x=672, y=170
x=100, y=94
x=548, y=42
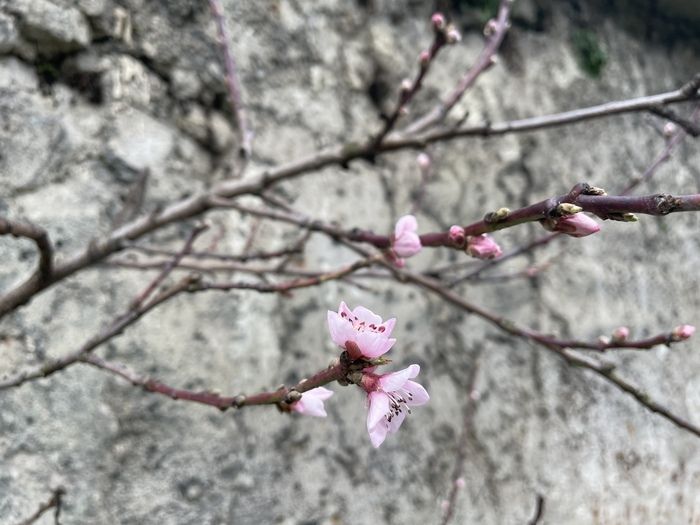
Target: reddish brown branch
x=113, y=330
x=602, y=205
x=40, y=238
x=243, y=257
x=560, y=347
x=168, y=267
x=232, y=82
x=407, y=92
x=648, y=173
x=338, y=371
x=497, y=29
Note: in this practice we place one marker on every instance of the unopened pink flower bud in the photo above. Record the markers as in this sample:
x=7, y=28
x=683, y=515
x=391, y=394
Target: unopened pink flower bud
x=438, y=21
x=490, y=28
x=483, y=247
x=576, y=225
x=620, y=334
x=460, y=483
x=406, y=242
x=669, y=129
x=453, y=36
x=406, y=86
x=423, y=161
x=424, y=58
x=682, y=332
x=457, y=236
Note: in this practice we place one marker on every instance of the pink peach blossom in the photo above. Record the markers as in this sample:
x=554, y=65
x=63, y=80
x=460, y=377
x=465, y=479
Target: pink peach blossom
x=311, y=402
x=361, y=332
x=389, y=397
x=406, y=242
x=576, y=225
x=483, y=247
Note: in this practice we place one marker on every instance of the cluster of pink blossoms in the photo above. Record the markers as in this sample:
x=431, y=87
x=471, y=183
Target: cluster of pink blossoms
x=363, y=335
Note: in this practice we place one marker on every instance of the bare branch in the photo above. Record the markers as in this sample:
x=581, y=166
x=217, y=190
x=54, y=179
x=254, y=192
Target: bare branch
x=601, y=368
x=467, y=430
x=168, y=267
x=53, y=503
x=40, y=238
x=496, y=30
x=539, y=510
x=232, y=82
x=281, y=397
x=113, y=330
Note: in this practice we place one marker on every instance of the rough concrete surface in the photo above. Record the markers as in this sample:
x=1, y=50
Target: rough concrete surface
x=94, y=91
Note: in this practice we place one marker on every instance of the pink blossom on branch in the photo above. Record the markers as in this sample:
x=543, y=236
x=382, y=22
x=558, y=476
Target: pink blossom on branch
x=405, y=241
x=389, y=398
x=576, y=225
x=483, y=247
x=311, y=402
x=360, y=331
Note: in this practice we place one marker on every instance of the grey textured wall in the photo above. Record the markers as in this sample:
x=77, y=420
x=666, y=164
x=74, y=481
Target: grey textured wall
x=92, y=91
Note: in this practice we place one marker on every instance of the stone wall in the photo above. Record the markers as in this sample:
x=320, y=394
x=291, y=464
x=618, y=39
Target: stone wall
x=92, y=92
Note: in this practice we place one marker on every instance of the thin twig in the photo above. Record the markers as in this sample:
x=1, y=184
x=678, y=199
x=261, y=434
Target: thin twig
x=467, y=430
x=232, y=81
x=648, y=173
x=407, y=92
x=40, y=238
x=497, y=29
x=561, y=348
x=168, y=267
x=690, y=127
x=53, y=503
x=114, y=329
x=539, y=510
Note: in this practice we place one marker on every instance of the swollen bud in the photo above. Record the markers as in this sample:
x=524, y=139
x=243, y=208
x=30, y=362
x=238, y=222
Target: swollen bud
x=438, y=21
x=620, y=334
x=424, y=58
x=453, y=36
x=457, y=236
x=483, y=247
x=682, y=332
x=423, y=161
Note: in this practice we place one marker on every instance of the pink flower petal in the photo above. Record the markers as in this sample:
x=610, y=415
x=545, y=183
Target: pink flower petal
x=373, y=344
x=405, y=224
x=406, y=242
x=367, y=315
x=396, y=380
x=388, y=326
x=378, y=408
x=420, y=394
x=377, y=434
x=311, y=402
x=338, y=328
x=396, y=421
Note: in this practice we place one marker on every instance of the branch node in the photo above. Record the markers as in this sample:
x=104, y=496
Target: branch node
x=497, y=216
